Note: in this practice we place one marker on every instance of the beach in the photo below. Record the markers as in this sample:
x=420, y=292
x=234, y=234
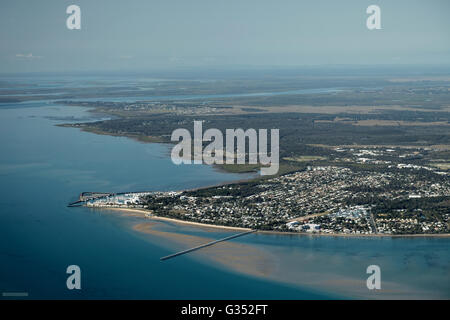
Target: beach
x=314, y=234
x=192, y=223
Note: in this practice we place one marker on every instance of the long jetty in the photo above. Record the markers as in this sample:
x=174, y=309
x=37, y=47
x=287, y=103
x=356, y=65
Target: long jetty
x=206, y=245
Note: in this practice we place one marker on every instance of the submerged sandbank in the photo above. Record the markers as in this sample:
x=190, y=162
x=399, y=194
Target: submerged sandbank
x=303, y=267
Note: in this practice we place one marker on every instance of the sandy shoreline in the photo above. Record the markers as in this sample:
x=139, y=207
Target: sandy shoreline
x=214, y=226
x=442, y=235
x=193, y=223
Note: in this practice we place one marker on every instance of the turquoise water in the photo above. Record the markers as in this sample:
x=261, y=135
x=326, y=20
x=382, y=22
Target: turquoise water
x=43, y=167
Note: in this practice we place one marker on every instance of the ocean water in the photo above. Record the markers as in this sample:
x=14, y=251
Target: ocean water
x=44, y=167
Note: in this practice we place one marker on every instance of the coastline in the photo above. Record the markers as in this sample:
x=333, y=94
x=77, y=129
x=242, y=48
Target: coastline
x=159, y=140
x=218, y=252
x=192, y=223
x=215, y=226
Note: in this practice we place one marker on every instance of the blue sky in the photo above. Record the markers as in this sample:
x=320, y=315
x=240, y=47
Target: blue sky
x=158, y=34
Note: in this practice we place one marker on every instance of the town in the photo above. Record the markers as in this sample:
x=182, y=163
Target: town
x=399, y=198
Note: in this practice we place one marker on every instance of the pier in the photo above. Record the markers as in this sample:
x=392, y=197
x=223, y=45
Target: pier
x=206, y=245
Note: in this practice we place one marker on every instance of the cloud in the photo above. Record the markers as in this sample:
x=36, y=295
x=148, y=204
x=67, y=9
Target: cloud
x=27, y=56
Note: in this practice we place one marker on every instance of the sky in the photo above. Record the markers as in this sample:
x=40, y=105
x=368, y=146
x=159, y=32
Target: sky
x=169, y=34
